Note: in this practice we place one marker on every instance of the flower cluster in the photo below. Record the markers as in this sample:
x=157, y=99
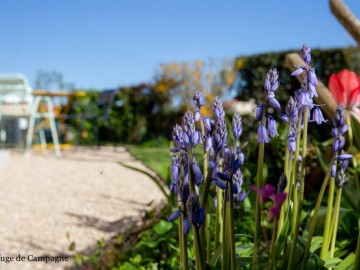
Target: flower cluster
x=185, y=171
x=302, y=100
x=338, y=131
x=271, y=85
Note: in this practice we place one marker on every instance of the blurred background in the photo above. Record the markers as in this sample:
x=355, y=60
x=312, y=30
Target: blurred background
x=155, y=54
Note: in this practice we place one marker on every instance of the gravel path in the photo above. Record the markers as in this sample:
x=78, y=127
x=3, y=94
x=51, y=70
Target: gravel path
x=83, y=193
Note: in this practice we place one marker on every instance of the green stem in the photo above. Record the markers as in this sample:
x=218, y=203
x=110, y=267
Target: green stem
x=273, y=241
x=286, y=202
x=207, y=226
x=200, y=260
x=231, y=229
x=258, y=210
x=183, y=243
x=314, y=218
x=299, y=195
x=225, y=246
x=335, y=222
x=218, y=218
x=357, y=254
x=204, y=232
x=327, y=228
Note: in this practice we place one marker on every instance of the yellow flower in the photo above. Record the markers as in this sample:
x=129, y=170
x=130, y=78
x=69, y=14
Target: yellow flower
x=239, y=64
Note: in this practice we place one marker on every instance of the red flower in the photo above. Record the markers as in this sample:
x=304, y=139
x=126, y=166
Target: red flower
x=345, y=89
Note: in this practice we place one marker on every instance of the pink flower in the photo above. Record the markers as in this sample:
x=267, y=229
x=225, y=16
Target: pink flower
x=268, y=192
x=345, y=89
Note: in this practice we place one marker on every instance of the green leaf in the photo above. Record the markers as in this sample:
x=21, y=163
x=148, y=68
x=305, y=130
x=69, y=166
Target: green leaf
x=216, y=256
x=324, y=164
x=356, y=130
x=148, y=243
x=316, y=243
x=280, y=243
x=163, y=227
x=332, y=262
x=347, y=263
x=239, y=235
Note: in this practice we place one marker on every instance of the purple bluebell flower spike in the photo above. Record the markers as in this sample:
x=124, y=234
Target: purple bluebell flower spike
x=271, y=84
x=198, y=99
x=218, y=109
x=236, y=126
x=310, y=72
x=219, y=135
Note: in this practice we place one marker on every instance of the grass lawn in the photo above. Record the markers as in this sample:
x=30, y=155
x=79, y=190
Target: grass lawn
x=157, y=158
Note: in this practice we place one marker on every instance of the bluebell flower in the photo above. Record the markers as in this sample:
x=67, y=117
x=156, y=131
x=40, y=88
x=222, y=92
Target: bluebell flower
x=271, y=81
x=197, y=115
x=177, y=136
x=271, y=84
x=271, y=128
x=198, y=177
x=333, y=170
x=197, y=213
x=318, y=116
x=338, y=144
x=240, y=156
x=218, y=109
x=310, y=80
x=306, y=54
x=344, y=129
x=198, y=99
x=219, y=135
x=339, y=119
x=236, y=126
x=284, y=118
x=190, y=136
x=262, y=134
x=291, y=143
x=291, y=110
x=274, y=103
x=259, y=112
x=186, y=226
x=304, y=99
x=208, y=142
x=208, y=122
x=343, y=157
x=174, y=215
x=238, y=180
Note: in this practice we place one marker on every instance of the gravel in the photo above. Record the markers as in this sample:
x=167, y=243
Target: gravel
x=84, y=194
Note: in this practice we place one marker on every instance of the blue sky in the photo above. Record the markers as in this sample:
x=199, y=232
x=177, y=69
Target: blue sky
x=104, y=44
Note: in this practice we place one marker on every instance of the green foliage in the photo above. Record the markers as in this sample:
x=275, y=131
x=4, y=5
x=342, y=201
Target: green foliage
x=141, y=113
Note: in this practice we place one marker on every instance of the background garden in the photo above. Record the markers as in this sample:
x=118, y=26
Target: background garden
x=312, y=231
